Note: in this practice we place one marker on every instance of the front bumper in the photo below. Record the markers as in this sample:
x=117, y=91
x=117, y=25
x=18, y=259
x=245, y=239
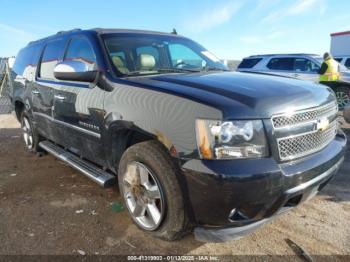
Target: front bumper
x=228, y=199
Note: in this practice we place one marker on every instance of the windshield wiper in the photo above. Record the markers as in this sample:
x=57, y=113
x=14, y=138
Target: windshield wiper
x=178, y=70
x=162, y=70
x=207, y=68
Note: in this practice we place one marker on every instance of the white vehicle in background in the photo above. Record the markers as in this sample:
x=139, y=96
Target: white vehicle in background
x=340, y=47
x=343, y=60
x=301, y=66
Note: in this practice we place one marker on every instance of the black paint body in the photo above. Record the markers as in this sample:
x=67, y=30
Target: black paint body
x=99, y=121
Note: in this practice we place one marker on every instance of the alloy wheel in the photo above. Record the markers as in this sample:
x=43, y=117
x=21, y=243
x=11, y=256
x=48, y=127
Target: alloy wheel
x=143, y=196
x=27, y=133
x=342, y=98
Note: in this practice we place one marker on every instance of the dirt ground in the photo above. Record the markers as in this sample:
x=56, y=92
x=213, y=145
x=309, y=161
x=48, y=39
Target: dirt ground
x=46, y=207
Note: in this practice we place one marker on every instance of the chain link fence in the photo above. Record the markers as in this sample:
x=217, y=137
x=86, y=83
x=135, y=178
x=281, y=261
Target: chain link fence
x=5, y=103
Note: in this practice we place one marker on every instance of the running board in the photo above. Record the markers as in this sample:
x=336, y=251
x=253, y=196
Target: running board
x=96, y=174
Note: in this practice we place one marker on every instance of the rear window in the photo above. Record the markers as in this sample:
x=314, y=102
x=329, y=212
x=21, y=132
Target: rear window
x=249, y=62
x=52, y=53
x=347, y=62
x=285, y=63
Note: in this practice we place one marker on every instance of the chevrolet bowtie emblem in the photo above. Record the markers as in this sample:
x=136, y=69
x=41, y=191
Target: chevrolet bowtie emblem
x=322, y=124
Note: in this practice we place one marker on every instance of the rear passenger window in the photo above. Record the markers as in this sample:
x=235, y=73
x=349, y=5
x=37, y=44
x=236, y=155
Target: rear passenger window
x=347, y=62
x=51, y=55
x=79, y=49
x=249, y=62
x=26, y=60
x=338, y=59
x=281, y=64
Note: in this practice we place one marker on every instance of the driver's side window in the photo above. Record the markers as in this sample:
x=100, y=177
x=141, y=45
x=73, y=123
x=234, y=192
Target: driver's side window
x=182, y=55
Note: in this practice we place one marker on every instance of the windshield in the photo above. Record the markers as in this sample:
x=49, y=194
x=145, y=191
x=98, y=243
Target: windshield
x=142, y=54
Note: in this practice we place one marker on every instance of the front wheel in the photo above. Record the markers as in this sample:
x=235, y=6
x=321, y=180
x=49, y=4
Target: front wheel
x=342, y=95
x=151, y=191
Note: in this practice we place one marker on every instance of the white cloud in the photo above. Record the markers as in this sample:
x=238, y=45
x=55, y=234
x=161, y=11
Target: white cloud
x=15, y=32
x=297, y=8
x=210, y=19
x=250, y=39
x=301, y=6
x=256, y=39
x=275, y=35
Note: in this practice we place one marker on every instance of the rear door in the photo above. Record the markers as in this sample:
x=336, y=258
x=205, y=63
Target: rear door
x=79, y=105
x=43, y=90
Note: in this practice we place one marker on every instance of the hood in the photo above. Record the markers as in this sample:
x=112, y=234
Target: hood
x=242, y=95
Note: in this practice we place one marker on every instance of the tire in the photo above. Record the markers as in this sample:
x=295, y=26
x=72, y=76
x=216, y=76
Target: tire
x=172, y=222
x=342, y=95
x=30, y=135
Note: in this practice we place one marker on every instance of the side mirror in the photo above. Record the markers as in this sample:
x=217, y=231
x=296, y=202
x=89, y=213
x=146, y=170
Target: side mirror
x=74, y=71
x=346, y=113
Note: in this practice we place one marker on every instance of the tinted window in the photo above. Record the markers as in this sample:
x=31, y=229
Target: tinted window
x=79, y=49
x=305, y=65
x=27, y=58
x=347, y=62
x=249, y=62
x=338, y=59
x=180, y=54
x=281, y=64
x=51, y=55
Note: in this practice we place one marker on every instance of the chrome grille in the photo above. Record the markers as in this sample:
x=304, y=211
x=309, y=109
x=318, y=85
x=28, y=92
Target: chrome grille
x=301, y=133
x=305, y=144
x=303, y=116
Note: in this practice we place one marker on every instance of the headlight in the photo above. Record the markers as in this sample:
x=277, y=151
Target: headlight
x=231, y=140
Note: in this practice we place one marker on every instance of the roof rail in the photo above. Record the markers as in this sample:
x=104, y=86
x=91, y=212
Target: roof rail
x=58, y=33
x=68, y=31
x=296, y=54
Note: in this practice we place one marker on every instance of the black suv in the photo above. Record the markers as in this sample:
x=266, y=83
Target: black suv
x=192, y=145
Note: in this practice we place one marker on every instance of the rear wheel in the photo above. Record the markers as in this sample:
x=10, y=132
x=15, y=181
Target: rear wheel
x=342, y=95
x=151, y=191
x=30, y=136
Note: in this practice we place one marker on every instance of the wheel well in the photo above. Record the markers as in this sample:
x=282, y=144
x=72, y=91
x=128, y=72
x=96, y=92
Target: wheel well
x=135, y=137
x=19, y=107
x=123, y=139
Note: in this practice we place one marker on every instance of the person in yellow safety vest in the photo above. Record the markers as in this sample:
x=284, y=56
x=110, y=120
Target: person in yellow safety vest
x=329, y=71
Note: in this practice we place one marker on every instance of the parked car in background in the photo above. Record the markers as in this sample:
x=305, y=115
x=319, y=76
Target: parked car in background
x=191, y=144
x=301, y=66
x=343, y=60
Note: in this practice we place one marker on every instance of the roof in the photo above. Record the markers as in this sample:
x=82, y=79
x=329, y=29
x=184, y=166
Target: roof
x=128, y=31
x=341, y=33
x=296, y=54
x=104, y=31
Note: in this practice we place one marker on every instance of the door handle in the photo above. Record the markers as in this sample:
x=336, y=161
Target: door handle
x=59, y=97
x=296, y=75
x=35, y=92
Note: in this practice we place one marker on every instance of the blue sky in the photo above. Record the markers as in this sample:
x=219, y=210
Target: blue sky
x=231, y=29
